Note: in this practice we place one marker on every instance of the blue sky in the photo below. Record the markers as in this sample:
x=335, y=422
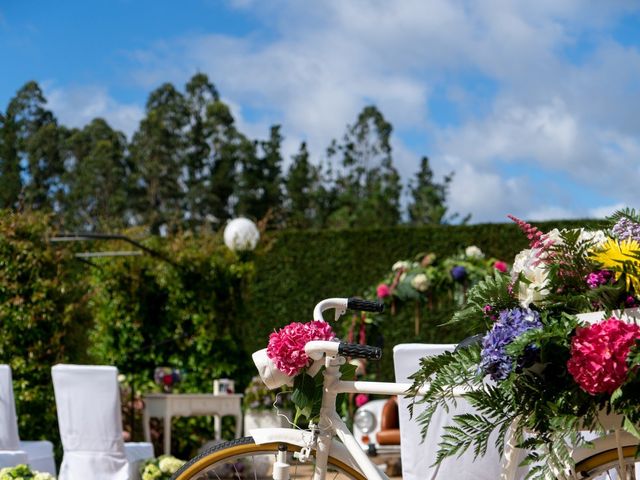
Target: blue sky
x=533, y=105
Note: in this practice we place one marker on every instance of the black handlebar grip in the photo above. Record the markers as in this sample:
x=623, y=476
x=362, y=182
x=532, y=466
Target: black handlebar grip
x=355, y=303
x=359, y=351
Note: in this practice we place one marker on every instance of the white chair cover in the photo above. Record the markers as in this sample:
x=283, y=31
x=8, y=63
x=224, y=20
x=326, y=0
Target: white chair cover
x=88, y=403
x=418, y=457
x=12, y=450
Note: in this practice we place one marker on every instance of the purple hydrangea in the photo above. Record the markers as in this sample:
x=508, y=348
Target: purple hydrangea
x=458, y=273
x=509, y=325
x=626, y=229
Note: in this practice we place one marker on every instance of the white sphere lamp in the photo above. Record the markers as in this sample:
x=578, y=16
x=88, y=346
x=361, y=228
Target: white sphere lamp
x=241, y=234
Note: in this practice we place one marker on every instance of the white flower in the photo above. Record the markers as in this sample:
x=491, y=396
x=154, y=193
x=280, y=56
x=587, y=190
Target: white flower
x=43, y=476
x=530, y=265
x=402, y=264
x=170, y=464
x=473, y=252
x=598, y=237
x=420, y=282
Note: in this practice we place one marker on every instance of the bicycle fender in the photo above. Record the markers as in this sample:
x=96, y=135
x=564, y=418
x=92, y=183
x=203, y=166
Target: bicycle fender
x=301, y=438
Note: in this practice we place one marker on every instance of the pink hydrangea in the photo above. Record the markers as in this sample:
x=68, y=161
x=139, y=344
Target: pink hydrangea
x=599, y=352
x=361, y=399
x=500, y=266
x=383, y=290
x=286, y=346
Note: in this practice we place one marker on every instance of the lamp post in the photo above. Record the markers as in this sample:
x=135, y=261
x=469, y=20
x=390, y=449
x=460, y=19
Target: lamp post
x=241, y=234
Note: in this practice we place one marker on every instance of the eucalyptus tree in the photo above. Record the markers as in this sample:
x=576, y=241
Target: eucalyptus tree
x=158, y=151
x=368, y=185
x=31, y=142
x=200, y=95
x=307, y=201
x=428, y=203
x=259, y=191
x=98, y=179
x=10, y=178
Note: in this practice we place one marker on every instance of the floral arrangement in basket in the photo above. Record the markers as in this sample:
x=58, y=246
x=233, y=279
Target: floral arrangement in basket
x=23, y=472
x=284, y=362
x=160, y=468
x=539, y=369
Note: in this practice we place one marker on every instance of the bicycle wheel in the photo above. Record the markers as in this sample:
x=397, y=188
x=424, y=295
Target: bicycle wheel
x=605, y=465
x=243, y=459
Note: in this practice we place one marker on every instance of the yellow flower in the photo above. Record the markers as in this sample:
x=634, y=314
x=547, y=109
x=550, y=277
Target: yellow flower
x=620, y=257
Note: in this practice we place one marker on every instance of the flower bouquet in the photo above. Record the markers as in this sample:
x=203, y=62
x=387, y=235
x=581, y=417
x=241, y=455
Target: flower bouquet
x=284, y=362
x=23, y=472
x=539, y=368
x=160, y=468
x=167, y=377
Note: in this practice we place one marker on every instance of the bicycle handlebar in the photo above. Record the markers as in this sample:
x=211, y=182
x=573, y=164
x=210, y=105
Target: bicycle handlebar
x=316, y=349
x=356, y=350
x=342, y=304
x=360, y=305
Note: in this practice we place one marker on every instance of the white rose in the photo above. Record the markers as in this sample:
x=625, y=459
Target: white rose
x=473, y=252
x=420, y=282
x=529, y=264
x=404, y=265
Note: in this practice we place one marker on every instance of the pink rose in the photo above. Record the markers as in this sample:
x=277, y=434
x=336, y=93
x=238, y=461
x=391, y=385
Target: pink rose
x=500, y=266
x=286, y=346
x=361, y=399
x=599, y=352
x=383, y=290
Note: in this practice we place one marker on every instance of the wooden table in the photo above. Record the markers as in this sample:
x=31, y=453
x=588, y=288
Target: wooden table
x=166, y=406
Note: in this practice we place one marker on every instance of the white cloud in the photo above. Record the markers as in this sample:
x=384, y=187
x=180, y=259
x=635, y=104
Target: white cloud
x=75, y=107
x=321, y=62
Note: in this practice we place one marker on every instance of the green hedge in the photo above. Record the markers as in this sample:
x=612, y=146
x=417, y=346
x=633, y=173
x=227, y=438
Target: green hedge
x=296, y=269
x=43, y=318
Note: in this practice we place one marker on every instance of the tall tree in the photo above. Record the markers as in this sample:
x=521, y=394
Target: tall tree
x=260, y=188
x=158, y=150
x=35, y=137
x=368, y=183
x=428, y=204
x=300, y=185
x=10, y=178
x=231, y=150
x=200, y=96
x=99, y=178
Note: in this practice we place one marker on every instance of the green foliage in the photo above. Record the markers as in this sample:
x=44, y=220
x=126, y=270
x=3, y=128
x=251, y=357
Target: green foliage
x=183, y=315
x=42, y=314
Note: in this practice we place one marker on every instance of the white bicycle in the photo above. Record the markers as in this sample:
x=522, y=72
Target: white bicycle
x=316, y=453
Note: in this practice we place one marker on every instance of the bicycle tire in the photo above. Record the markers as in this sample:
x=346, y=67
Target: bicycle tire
x=221, y=461
x=602, y=463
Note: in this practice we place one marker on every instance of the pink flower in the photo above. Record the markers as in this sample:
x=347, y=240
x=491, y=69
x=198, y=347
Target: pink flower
x=286, y=346
x=500, y=266
x=361, y=399
x=383, y=290
x=599, y=352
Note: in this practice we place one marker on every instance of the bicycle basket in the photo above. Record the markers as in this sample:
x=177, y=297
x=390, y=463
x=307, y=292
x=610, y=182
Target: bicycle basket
x=269, y=373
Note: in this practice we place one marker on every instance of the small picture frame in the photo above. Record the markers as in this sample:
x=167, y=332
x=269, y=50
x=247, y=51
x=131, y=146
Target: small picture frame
x=223, y=386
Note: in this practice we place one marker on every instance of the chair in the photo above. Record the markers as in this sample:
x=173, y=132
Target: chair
x=37, y=454
x=418, y=457
x=90, y=421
